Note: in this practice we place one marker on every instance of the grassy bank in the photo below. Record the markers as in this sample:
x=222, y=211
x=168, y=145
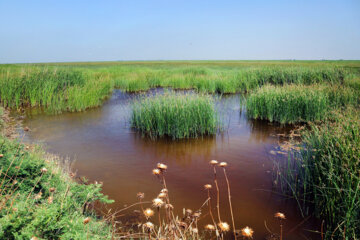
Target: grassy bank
x=175, y=115
x=39, y=198
x=298, y=103
x=325, y=175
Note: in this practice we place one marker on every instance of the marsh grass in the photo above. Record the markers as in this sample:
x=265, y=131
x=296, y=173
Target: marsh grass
x=298, y=103
x=76, y=87
x=175, y=115
x=324, y=175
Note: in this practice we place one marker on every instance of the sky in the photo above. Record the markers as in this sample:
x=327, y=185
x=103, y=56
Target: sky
x=89, y=30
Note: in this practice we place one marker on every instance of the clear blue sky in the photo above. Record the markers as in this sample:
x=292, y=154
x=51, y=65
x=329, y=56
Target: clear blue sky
x=89, y=30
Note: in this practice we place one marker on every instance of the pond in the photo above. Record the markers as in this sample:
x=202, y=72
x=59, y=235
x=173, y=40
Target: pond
x=105, y=149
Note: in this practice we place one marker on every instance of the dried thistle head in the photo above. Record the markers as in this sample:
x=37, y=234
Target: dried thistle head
x=280, y=216
x=188, y=211
x=162, y=195
x=214, y=162
x=1, y=155
x=52, y=189
x=86, y=220
x=223, y=164
x=224, y=226
x=210, y=227
x=156, y=171
x=196, y=214
x=148, y=213
x=195, y=230
x=140, y=195
x=161, y=166
x=43, y=170
x=50, y=200
x=247, y=232
x=164, y=190
x=33, y=238
x=149, y=225
x=157, y=202
x=207, y=186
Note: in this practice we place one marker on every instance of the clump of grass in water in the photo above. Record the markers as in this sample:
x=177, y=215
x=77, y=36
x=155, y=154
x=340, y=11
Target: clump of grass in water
x=324, y=175
x=298, y=103
x=175, y=115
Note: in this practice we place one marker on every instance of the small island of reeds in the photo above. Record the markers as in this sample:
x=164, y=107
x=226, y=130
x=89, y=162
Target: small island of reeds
x=175, y=115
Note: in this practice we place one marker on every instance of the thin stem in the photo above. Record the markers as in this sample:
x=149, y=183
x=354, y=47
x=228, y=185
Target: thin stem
x=231, y=211
x=218, y=195
x=210, y=212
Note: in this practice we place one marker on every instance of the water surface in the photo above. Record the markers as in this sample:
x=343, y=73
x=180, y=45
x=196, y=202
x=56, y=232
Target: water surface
x=106, y=149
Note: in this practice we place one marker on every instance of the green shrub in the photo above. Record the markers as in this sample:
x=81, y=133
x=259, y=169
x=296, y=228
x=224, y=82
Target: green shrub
x=30, y=208
x=175, y=115
x=297, y=103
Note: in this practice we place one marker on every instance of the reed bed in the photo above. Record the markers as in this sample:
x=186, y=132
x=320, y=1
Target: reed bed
x=324, y=175
x=175, y=115
x=76, y=87
x=298, y=103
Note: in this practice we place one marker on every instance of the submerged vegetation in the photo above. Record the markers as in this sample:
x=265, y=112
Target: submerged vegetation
x=298, y=103
x=175, y=115
x=325, y=175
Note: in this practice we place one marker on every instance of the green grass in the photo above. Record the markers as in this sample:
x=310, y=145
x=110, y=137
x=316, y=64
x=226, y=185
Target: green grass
x=22, y=216
x=325, y=174
x=78, y=86
x=298, y=103
x=175, y=115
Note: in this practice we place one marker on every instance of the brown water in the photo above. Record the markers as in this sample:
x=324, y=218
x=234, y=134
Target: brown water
x=106, y=149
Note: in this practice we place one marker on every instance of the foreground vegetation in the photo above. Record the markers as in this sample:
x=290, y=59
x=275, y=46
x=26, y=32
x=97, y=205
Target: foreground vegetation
x=175, y=115
x=324, y=175
x=40, y=200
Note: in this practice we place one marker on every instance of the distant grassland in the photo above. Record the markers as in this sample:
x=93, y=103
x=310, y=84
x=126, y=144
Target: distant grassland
x=78, y=86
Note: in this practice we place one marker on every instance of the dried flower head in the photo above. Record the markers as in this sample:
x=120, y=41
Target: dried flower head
x=156, y=171
x=148, y=213
x=247, y=232
x=33, y=238
x=161, y=166
x=162, y=195
x=140, y=195
x=86, y=220
x=149, y=225
x=15, y=209
x=164, y=190
x=15, y=182
x=280, y=216
x=157, y=202
x=43, y=170
x=50, y=200
x=207, y=186
x=188, y=211
x=214, y=162
x=223, y=164
x=1, y=155
x=210, y=227
x=224, y=226
x=52, y=189
x=195, y=230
